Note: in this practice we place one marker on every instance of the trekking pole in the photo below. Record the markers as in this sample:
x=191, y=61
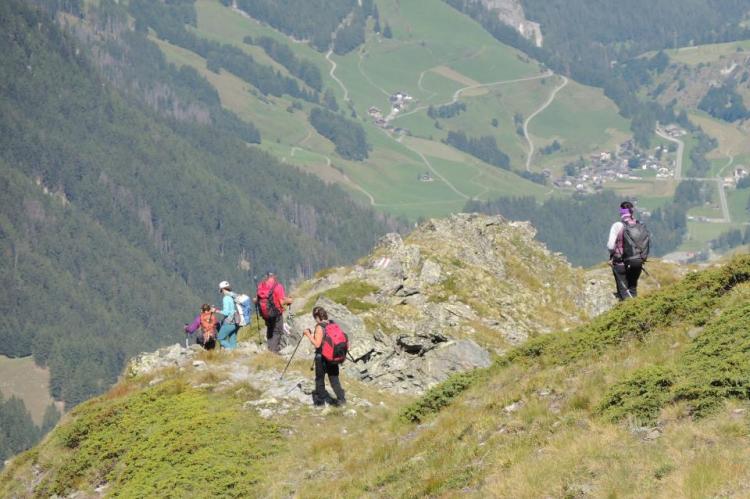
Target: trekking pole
x=658, y=284
x=257, y=308
x=290, y=358
x=625, y=287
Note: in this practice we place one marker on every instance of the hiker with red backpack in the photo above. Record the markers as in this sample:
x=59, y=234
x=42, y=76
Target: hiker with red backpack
x=628, y=244
x=270, y=301
x=331, y=346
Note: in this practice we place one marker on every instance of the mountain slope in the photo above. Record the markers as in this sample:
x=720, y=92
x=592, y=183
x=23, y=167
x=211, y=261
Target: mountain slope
x=129, y=217
x=494, y=81
x=648, y=399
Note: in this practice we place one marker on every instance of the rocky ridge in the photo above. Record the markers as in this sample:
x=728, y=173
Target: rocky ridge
x=446, y=297
x=442, y=300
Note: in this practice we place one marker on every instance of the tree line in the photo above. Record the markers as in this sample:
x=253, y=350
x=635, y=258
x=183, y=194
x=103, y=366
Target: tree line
x=578, y=226
x=484, y=148
x=168, y=20
x=348, y=136
x=18, y=431
x=281, y=53
x=311, y=20
x=725, y=103
x=446, y=111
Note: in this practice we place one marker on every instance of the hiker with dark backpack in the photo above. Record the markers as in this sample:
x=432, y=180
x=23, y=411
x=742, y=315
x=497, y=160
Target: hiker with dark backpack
x=271, y=300
x=227, y=335
x=628, y=244
x=331, y=346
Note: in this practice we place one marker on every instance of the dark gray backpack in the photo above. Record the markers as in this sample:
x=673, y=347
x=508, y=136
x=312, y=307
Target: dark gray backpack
x=636, y=242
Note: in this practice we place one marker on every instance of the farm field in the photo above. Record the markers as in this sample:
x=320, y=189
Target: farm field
x=22, y=378
x=700, y=233
x=706, y=53
x=738, y=205
x=470, y=66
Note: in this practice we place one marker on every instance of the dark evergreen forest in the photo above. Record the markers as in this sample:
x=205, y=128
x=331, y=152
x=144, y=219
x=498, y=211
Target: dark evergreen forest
x=123, y=209
x=484, y=148
x=579, y=226
x=348, y=136
x=17, y=430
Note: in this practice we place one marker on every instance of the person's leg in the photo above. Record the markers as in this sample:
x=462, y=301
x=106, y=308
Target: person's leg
x=319, y=395
x=633, y=273
x=224, y=332
x=618, y=270
x=232, y=337
x=277, y=330
x=333, y=378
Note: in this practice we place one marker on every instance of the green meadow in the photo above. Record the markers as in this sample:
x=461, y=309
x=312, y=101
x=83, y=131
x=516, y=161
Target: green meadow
x=436, y=55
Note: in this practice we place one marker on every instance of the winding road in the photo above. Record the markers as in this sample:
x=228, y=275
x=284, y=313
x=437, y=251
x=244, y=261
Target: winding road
x=680, y=152
x=726, y=215
x=551, y=99
x=458, y=92
x=332, y=73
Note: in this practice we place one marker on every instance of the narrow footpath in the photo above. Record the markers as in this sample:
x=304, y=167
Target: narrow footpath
x=526, y=134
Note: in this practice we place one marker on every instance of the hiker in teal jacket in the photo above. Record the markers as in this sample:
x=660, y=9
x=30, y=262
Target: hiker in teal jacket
x=228, y=332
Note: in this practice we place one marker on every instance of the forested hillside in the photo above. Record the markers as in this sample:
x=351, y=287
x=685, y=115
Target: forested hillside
x=579, y=226
x=121, y=213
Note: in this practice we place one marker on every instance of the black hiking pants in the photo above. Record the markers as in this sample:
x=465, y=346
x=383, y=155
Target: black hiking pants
x=274, y=332
x=323, y=367
x=626, y=278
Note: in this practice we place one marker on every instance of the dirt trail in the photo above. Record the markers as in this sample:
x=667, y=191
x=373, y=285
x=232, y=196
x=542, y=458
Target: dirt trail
x=332, y=73
x=551, y=99
x=458, y=92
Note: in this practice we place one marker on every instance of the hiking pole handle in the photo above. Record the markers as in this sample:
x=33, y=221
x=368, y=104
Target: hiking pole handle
x=290, y=358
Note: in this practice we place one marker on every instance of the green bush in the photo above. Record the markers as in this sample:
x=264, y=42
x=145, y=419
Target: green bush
x=690, y=301
x=716, y=367
x=166, y=441
x=439, y=396
x=348, y=294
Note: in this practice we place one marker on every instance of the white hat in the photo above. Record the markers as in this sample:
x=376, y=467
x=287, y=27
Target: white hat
x=224, y=285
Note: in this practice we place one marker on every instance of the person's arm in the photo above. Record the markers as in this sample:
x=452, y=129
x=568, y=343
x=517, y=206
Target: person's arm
x=227, y=306
x=614, y=231
x=279, y=294
x=193, y=326
x=315, y=338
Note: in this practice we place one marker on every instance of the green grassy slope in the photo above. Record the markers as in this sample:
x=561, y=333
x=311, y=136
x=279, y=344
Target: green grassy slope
x=649, y=399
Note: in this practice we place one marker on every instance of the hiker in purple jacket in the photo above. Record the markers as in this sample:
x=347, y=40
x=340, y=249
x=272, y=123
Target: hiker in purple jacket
x=628, y=272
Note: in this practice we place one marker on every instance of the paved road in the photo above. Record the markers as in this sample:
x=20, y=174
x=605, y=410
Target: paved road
x=726, y=215
x=680, y=152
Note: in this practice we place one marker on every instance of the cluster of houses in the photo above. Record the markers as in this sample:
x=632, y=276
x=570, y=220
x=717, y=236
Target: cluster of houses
x=623, y=164
x=399, y=101
x=738, y=174
x=674, y=131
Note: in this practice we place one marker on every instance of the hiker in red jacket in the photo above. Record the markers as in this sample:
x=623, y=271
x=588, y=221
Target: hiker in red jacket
x=271, y=300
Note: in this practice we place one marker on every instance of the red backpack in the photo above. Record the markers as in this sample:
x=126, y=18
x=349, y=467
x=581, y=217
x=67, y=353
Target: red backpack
x=335, y=343
x=266, y=303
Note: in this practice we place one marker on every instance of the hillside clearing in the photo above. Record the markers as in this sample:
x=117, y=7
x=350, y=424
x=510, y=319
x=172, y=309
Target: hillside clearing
x=22, y=378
